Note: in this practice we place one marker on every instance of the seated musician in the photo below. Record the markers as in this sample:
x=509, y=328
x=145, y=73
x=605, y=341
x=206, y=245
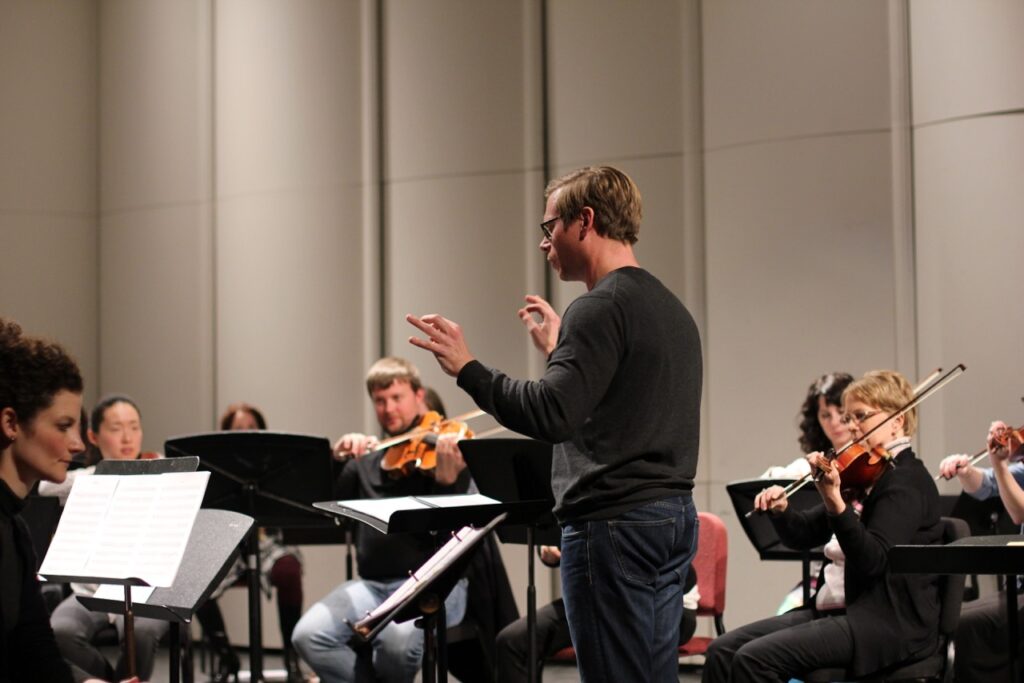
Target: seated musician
x=116, y=431
x=40, y=407
x=864, y=617
x=322, y=634
x=280, y=568
x=821, y=428
x=981, y=645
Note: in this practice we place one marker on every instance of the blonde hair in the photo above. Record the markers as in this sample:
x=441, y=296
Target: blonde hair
x=612, y=195
x=886, y=390
x=389, y=369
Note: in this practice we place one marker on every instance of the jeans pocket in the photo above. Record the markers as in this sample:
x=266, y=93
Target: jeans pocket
x=641, y=548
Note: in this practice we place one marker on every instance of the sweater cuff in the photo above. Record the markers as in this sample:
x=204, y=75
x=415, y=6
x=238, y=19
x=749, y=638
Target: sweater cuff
x=472, y=374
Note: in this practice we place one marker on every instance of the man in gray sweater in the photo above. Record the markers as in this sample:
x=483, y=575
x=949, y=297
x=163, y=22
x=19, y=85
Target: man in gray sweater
x=620, y=401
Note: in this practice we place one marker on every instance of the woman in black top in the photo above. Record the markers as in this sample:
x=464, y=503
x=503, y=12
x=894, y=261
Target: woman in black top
x=40, y=409
x=863, y=617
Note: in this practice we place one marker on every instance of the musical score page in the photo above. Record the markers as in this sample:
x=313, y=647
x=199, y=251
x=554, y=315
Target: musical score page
x=124, y=526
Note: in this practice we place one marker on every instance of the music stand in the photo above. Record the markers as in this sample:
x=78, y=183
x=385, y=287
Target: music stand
x=423, y=597
x=518, y=471
x=270, y=476
x=120, y=468
x=760, y=531
x=212, y=549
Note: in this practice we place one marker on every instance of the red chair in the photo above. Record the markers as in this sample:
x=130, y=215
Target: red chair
x=710, y=562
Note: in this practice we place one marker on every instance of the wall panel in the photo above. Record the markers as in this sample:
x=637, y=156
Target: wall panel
x=48, y=176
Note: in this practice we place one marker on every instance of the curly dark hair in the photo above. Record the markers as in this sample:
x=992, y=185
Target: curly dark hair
x=812, y=436
x=32, y=372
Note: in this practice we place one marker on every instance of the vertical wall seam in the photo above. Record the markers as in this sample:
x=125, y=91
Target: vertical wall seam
x=545, y=123
x=381, y=185
x=212, y=215
x=97, y=288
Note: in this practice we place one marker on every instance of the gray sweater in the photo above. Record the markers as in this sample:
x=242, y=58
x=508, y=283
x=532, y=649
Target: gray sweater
x=619, y=399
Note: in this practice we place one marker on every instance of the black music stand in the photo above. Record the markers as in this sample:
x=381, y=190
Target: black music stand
x=761, y=532
x=421, y=597
x=127, y=607
x=212, y=549
x=972, y=555
x=270, y=476
x=517, y=471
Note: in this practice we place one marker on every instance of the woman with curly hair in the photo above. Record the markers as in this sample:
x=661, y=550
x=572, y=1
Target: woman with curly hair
x=821, y=423
x=40, y=409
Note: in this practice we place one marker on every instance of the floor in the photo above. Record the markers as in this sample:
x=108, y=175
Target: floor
x=274, y=671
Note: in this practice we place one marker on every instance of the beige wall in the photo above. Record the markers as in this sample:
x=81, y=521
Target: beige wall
x=193, y=198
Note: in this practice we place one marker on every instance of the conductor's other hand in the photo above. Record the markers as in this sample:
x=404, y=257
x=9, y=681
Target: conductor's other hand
x=952, y=465
x=550, y=555
x=355, y=445
x=449, y=459
x=543, y=329
x=771, y=500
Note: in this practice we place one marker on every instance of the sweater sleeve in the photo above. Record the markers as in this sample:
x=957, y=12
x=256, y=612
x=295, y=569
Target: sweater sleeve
x=578, y=374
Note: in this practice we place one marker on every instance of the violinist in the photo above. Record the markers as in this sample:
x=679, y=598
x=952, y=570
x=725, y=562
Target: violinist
x=981, y=647
x=322, y=634
x=863, y=616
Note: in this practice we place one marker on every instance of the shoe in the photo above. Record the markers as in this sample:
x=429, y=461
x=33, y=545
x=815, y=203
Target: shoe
x=224, y=659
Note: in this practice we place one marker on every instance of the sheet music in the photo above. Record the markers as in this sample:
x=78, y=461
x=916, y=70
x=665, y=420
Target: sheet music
x=123, y=526
x=383, y=508
x=454, y=500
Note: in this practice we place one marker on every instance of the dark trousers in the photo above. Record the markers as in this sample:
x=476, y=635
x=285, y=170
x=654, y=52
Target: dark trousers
x=779, y=648
x=982, y=644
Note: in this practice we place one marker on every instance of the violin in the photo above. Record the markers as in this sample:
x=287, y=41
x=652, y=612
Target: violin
x=1007, y=437
x=860, y=467
x=417, y=448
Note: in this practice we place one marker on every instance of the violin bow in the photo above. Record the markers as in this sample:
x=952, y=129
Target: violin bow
x=423, y=431
x=976, y=458
x=930, y=386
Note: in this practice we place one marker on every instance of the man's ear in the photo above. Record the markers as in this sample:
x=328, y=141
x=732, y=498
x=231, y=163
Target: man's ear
x=586, y=220
x=93, y=439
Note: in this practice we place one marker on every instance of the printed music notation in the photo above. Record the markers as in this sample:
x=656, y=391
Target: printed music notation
x=126, y=526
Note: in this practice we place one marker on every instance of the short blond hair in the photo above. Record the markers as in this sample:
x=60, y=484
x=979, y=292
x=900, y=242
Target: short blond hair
x=614, y=197
x=886, y=390
x=390, y=369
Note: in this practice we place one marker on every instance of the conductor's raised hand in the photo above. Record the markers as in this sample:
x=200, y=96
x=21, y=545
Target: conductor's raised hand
x=444, y=339
x=543, y=331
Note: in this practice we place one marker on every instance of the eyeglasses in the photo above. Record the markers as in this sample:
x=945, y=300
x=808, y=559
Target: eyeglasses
x=547, y=226
x=859, y=418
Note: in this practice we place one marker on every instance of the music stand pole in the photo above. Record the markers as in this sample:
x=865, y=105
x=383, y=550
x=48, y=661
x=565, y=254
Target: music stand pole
x=531, y=608
x=129, y=632
x=252, y=556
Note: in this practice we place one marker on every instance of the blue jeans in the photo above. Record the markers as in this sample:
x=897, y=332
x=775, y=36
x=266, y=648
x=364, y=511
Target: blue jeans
x=622, y=580
x=321, y=636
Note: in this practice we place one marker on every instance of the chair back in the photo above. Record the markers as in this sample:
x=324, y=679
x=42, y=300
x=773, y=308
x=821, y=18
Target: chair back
x=711, y=562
